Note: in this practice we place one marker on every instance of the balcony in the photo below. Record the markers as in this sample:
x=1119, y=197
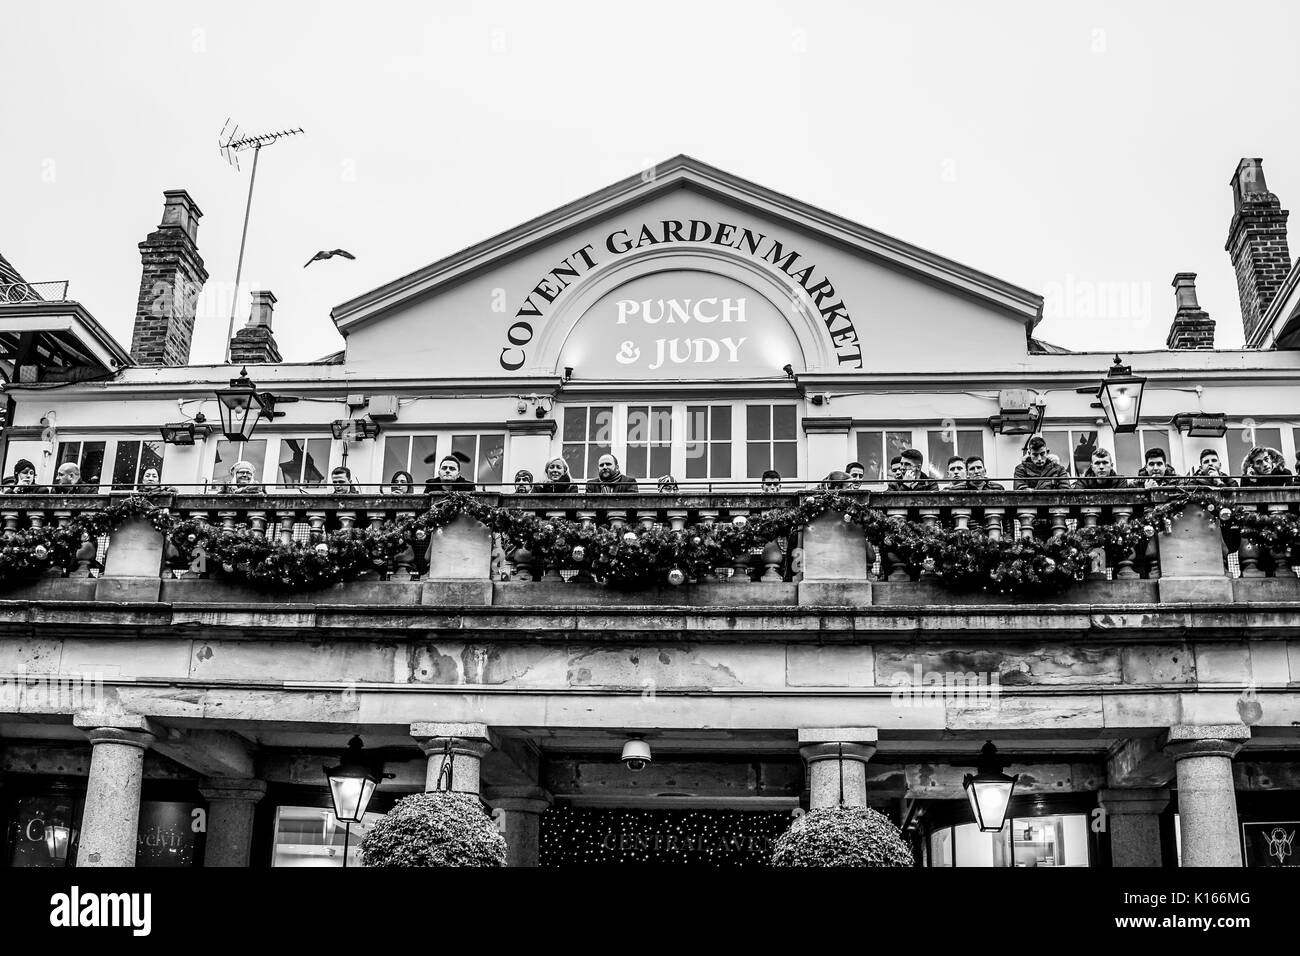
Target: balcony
x=830, y=563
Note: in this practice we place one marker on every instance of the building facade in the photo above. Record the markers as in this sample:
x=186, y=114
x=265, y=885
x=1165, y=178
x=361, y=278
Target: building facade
x=693, y=325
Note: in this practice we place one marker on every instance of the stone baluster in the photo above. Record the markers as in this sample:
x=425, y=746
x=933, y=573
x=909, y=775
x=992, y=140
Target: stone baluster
x=36, y=519
x=677, y=518
x=63, y=518
x=257, y=521
x=552, y=571
x=617, y=519
x=1025, y=516
x=11, y=523
x=1060, y=520
x=1281, y=553
x=708, y=516
x=961, y=518
x=405, y=561
x=1123, y=515
x=316, y=519
x=1091, y=515
x=930, y=519
x=893, y=561
x=587, y=518
x=85, y=556
x=286, y=519
x=1151, y=555
x=227, y=519
x=347, y=519
x=993, y=523
x=773, y=558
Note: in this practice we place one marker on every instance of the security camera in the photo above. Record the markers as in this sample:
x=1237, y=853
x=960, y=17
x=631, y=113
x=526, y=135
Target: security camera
x=636, y=754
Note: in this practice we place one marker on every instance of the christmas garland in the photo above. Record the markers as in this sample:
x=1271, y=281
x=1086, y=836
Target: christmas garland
x=961, y=559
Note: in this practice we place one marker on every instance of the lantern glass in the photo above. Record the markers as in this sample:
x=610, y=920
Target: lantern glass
x=351, y=788
x=989, y=795
x=58, y=839
x=1121, y=397
x=241, y=408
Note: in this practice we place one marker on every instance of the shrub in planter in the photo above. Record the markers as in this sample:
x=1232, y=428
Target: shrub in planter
x=842, y=836
x=435, y=829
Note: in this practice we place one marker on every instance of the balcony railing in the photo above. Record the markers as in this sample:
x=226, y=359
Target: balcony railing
x=16, y=292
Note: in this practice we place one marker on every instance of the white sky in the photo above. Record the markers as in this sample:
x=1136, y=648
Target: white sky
x=1080, y=150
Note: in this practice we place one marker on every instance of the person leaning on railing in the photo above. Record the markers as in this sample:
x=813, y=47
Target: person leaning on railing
x=1101, y=472
x=1263, y=468
x=1037, y=471
x=341, y=480
x=523, y=482
x=67, y=481
x=23, y=480
x=771, y=482
x=151, y=484
x=241, y=481
x=449, y=477
x=558, y=480
x=977, y=477
x=610, y=479
x=402, y=483
x=1208, y=473
x=667, y=485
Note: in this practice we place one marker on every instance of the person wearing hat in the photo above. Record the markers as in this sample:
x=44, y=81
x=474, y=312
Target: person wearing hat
x=241, y=480
x=1037, y=470
x=23, y=480
x=523, y=482
x=668, y=485
x=448, y=477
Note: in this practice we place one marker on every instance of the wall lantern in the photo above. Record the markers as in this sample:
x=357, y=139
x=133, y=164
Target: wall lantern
x=989, y=789
x=356, y=429
x=1120, y=395
x=1202, y=424
x=185, y=433
x=243, y=406
x=352, y=784
x=58, y=840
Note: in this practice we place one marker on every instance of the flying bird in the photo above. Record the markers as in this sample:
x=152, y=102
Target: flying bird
x=329, y=255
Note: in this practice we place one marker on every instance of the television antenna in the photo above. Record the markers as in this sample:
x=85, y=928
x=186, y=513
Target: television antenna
x=231, y=142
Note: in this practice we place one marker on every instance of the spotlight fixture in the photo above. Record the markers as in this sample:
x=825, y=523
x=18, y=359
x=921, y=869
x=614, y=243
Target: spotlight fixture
x=788, y=369
x=636, y=754
x=355, y=429
x=1202, y=424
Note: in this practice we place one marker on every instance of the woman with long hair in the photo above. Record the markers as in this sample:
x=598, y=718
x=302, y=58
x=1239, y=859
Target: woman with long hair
x=1264, y=467
x=558, y=480
x=402, y=483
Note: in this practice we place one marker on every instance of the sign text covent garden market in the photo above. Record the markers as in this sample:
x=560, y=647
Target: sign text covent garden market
x=822, y=292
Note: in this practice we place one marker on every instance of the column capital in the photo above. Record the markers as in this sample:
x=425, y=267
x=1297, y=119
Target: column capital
x=846, y=735
x=519, y=799
x=434, y=737
x=133, y=730
x=837, y=751
x=1134, y=800
x=1204, y=740
x=232, y=788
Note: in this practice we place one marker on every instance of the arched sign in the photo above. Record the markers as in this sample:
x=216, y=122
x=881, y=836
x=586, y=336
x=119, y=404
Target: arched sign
x=681, y=323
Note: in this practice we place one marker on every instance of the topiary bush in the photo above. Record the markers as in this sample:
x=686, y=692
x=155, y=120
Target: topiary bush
x=842, y=836
x=435, y=829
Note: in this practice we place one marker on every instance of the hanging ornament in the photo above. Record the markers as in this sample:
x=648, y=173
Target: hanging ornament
x=40, y=551
x=579, y=552
x=1049, y=564
x=322, y=548
x=739, y=521
x=848, y=519
x=421, y=534
x=630, y=538
x=1169, y=526
x=228, y=568
x=928, y=564
x=1225, y=514
x=676, y=577
x=1149, y=531
x=696, y=540
x=191, y=538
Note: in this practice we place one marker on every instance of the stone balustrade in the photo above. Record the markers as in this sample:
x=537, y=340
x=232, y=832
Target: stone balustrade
x=830, y=562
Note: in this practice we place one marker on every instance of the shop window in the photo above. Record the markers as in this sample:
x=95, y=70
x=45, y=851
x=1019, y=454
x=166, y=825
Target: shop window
x=229, y=452
x=167, y=834
x=1074, y=446
x=133, y=458
x=876, y=449
x=408, y=453
x=304, y=461
x=42, y=830
x=1131, y=448
x=313, y=836
x=942, y=444
x=588, y=433
x=708, y=441
x=649, y=441
x=771, y=440
x=89, y=456
x=1055, y=840
x=1242, y=439
x=486, y=454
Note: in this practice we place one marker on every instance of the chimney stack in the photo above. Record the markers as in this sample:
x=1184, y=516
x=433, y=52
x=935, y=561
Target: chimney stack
x=1192, y=327
x=254, y=344
x=1257, y=244
x=171, y=279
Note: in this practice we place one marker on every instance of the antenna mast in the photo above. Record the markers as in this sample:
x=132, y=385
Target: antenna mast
x=230, y=143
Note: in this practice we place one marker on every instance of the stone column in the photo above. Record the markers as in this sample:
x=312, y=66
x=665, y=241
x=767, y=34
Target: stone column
x=1207, y=796
x=1133, y=822
x=837, y=756
x=231, y=801
x=520, y=819
x=111, y=820
x=465, y=745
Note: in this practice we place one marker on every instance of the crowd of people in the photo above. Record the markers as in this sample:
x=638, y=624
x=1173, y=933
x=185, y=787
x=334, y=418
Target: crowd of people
x=1040, y=468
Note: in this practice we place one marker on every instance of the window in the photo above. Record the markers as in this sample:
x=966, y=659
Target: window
x=588, y=434
x=304, y=461
x=649, y=441
x=1074, y=446
x=408, y=453
x=1058, y=840
x=486, y=454
x=133, y=458
x=229, y=452
x=1131, y=448
x=708, y=441
x=1242, y=440
x=89, y=457
x=771, y=440
x=313, y=836
x=942, y=444
x=877, y=448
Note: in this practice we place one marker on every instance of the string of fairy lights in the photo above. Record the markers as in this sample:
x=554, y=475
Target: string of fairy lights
x=581, y=836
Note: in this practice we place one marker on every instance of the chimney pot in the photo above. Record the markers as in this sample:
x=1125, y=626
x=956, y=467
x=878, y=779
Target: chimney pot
x=1185, y=291
x=171, y=278
x=263, y=307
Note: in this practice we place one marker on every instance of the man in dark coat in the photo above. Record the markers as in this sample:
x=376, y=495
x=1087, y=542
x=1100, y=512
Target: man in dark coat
x=1037, y=471
x=610, y=479
x=977, y=476
x=449, y=477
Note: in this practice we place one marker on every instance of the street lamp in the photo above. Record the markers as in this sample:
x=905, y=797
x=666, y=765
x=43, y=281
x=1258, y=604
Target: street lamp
x=989, y=789
x=352, y=784
x=1120, y=395
x=242, y=407
x=58, y=840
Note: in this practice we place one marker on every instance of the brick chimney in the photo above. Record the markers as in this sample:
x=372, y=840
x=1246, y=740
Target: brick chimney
x=254, y=344
x=171, y=279
x=1192, y=327
x=1257, y=243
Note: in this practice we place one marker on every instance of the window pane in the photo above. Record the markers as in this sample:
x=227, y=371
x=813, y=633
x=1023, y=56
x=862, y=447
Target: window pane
x=575, y=423
x=229, y=452
x=313, y=836
x=397, y=452
x=636, y=461
x=1050, y=841
x=783, y=421
x=28, y=819
x=124, y=462
x=467, y=445
x=1058, y=443
x=758, y=422
x=970, y=441
x=68, y=451
x=785, y=459
x=758, y=456
x=720, y=427
x=423, y=447
x=166, y=834
x=869, y=454
x=638, y=424
x=661, y=461
x=697, y=423
x=661, y=423
x=941, y=847
x=897, y=443
x=317, y=464
x=593, y=456
x=696, y=460
x=492, y=457
x=601, y=427
x=720, y=459
x=92, y=462
x=575, y=458
x=1085, y=443
x=292, y=453
x=151, y=456
x=939, y=448
x=1128, y=456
